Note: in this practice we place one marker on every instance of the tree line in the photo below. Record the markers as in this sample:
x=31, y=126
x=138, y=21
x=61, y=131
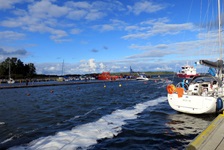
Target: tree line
x=16, y=68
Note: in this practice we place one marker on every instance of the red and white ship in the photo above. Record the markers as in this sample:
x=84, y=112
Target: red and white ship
x=187, y=72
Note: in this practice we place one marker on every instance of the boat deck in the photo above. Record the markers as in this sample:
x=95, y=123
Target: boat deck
x=212, y=138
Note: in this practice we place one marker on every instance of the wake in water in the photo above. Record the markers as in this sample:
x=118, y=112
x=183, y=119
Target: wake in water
x=86, y=135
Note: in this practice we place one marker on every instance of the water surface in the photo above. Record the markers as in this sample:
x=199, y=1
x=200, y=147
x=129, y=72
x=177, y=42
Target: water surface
x=110, y=115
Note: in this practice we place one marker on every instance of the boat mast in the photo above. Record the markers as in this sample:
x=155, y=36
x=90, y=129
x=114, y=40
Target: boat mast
x=220, y=38
x=220, y=41
x=9, y=70
x=62, y=68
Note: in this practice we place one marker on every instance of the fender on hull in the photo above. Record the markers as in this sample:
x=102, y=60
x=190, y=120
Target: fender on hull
x=219, y=104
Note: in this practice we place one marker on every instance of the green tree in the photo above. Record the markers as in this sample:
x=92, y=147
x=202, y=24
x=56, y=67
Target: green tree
x=18, y=69
x=31, y=70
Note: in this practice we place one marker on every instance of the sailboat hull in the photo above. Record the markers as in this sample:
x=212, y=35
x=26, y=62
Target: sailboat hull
x=10, y=81
x=193, y=104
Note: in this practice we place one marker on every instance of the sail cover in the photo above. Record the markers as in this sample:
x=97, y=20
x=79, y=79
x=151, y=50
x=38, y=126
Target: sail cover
x=216, y=64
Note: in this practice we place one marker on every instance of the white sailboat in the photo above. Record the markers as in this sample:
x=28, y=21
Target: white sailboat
x=10, y=81
x=62, y=78
x=204, y=94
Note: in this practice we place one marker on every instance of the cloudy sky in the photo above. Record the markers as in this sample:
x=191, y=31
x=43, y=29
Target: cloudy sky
x=92, y=36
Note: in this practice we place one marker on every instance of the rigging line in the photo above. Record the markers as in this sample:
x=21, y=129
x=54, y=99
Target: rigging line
x=188, y=18
x=220, y=42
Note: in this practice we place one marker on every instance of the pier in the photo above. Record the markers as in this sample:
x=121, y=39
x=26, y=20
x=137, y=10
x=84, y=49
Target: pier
x=212, y=138
x=56, y=83
x=30, y=85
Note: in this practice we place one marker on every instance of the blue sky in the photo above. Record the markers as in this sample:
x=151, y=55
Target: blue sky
x=92, y=36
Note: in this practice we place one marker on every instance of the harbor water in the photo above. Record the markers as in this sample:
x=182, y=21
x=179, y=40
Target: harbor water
x=109, y=115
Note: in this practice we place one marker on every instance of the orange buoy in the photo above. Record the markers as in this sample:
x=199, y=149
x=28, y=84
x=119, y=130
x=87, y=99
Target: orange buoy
x=171, y=88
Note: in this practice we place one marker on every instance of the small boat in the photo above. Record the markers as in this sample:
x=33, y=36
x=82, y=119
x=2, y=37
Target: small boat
x=142, y=77
x=107, y=76
x=187, y=71
x=10, y=81
x=62, y=77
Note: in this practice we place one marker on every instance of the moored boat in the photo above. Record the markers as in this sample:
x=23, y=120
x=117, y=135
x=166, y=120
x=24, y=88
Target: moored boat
x=107, y=76
x=142, y=76
x=187, y=71
x=10, y=81
x=205, y=93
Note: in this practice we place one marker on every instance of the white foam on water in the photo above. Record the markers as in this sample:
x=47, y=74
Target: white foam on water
x=86, y=135
x=1, y=123
x=7, y=140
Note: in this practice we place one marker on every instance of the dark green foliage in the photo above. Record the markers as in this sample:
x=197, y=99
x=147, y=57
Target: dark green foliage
x=18, y=69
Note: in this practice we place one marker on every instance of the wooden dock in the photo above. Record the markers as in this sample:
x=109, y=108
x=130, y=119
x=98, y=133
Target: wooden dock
x=212, y=138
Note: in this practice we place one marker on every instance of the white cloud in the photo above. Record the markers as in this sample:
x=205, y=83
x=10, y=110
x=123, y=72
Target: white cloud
x=151, y=54
x=76, y=31
x=45, y=16
x=77, y=14
x=131, y=27
x=113, y=25
x=48, y=9
x=160, y=26
x=49, y=68
x=11, y=35
x=162, y=68
x=8, y=4
x=102, y=66
x=57, y=34
x=78, y=5
x=94, y=15
x=107, y=28
x=88, y=66
x=145, y=6
x=47, y=19
x=86, y=11
x=92, y=65
x=11, y=23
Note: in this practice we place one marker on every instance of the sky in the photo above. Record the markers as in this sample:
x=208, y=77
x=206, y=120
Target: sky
x=92, y=36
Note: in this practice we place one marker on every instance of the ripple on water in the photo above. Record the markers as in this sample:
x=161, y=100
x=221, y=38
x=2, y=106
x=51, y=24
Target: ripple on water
x=135, y=115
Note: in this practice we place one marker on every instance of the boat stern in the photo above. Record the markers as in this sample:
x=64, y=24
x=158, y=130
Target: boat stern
x=192, y=104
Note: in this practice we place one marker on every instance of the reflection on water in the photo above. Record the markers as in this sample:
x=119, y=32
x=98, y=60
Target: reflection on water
x=188, y=125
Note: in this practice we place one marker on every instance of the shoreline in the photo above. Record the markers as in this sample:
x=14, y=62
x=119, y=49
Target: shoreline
x=56, y=83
